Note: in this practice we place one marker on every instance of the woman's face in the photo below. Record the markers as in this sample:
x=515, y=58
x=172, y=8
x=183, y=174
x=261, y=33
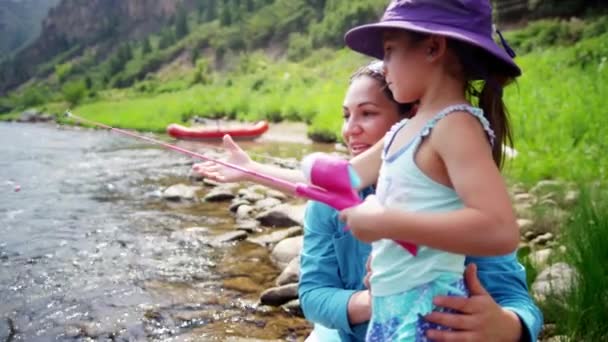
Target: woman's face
x=368, y=114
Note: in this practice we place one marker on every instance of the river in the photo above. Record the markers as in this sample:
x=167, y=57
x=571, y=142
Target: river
x=86, y=248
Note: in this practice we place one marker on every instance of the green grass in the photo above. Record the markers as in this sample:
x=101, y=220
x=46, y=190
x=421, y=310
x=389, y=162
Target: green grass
x=581, y=313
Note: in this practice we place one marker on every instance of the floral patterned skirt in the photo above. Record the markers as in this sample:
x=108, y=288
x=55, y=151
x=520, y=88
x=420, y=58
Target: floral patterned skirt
x=400, y=317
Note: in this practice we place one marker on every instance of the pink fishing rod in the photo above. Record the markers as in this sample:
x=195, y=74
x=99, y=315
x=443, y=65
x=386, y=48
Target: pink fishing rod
x=339, y=198
x=332, y=178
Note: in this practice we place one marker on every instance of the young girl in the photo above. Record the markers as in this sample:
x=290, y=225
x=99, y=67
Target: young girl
x=439, y=184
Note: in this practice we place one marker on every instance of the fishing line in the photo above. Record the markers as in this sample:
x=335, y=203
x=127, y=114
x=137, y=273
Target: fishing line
x=289, y=185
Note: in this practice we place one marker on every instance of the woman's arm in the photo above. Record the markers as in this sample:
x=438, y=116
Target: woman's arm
x=486, y=226
x=499, y=307
x=322, y=293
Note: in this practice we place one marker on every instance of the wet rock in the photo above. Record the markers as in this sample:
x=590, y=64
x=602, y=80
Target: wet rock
x=291, y=273
x=244, y=211
x=242, y=284
x=33, y=115
x=236, y=235
x=248, y=226
x=540, y=258
x=250, y=195
x=219, y=195
x=558, y=279
x=546, y=186
x=179, y=192
x=267, y=203
x=525, y=224
x=285, y=215
x=276, y=194
x=276, y=236
x=286, y=250
x=280, y=295
x=542, y=239
x=236, y=203
x=571, y=197
x=293, y=307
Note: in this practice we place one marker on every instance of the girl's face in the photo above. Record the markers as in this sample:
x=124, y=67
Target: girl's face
x=368, y=114
x=405, y=65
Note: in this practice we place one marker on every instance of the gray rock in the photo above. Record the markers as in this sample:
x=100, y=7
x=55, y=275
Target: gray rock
x=540, y=258
x=276, y=194
x=285, y=215
x=293, y=307
x=243, y=212
x=236, y=235
x=179, y=192
x=219, y=195
x=546, y=186
x=291, y=273
x=525, y=224
x=276, y=236
x=556, y=280
x=250, y=195
x=286, y=250
x=248, y=226
x=279, y=295
x=571, y=197
x=267, y=203
x=542, y=239
x=236, y=203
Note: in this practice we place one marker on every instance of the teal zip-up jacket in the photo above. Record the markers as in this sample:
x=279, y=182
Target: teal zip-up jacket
x=333, y=266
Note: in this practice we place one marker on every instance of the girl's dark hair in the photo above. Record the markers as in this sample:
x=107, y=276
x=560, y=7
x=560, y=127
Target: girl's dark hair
x=485, y=81
x=375, y=70
x=482, y=70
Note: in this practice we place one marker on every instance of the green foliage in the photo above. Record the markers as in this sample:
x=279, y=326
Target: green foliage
x=581, y=313
x=202, y=73
x=181, y=24
x=33, y=96
x=62, y=71
x=146, y=48
x=299, y=47
x=74, y=91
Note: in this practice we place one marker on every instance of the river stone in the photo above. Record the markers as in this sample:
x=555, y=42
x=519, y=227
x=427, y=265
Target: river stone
x=276, y=236
x=279, y=295
x=525, y=224
x=180, y=192
x=540, y=258
x=243, y=212
x=284, y=215
x=248, y=226
x=291, y=273
x=236, y=203
x=558, y=279
x=293, y=307
x=219, y=195
x=250, y=195
x=276, y=194
x=236, y=235
x=267, y=203
x=286, y=250
x=542, y=239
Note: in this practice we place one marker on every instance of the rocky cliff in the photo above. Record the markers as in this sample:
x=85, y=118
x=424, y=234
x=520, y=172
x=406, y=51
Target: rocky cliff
x=81, y=23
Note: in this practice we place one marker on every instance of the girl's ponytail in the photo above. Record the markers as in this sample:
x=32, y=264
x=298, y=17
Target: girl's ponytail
x=495, y=111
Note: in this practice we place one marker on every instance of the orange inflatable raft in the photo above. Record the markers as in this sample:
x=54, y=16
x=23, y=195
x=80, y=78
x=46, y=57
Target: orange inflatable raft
x=215, y=133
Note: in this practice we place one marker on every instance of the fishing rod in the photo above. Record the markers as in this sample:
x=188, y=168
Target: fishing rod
x=339, y=197
x=333, y=174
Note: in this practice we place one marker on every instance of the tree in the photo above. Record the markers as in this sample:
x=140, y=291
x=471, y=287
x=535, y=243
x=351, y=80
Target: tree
x=146, y=48
x=181, y=24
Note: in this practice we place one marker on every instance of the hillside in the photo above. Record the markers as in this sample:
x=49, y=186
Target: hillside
x=20, y=22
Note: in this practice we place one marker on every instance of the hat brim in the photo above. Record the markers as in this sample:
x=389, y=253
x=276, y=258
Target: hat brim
x=368, y=40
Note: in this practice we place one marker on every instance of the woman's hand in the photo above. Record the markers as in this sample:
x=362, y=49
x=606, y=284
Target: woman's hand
x=224, y=174
x=480, y=317
x=362, y=219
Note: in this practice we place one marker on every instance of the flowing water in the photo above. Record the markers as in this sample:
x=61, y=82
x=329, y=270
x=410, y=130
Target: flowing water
x=88, y=248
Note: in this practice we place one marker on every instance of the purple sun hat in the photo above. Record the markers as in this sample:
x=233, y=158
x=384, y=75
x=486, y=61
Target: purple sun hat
x=469, y=21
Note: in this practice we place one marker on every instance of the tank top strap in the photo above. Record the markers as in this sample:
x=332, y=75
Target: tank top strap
x=475, y=111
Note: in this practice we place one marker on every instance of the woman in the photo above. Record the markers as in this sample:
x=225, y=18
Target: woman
x=332, y=291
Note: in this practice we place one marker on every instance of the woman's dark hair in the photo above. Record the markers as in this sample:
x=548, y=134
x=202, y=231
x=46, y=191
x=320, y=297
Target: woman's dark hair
x=375, y=70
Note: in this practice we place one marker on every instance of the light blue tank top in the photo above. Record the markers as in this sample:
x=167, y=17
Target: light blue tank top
x=401, y=184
